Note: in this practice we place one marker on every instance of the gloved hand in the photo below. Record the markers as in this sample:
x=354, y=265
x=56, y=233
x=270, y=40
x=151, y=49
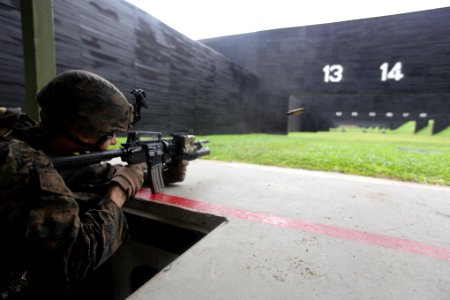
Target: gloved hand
x=130, y=178
x=176, y=172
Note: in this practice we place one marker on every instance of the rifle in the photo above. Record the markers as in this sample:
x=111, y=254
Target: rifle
x=156, y=151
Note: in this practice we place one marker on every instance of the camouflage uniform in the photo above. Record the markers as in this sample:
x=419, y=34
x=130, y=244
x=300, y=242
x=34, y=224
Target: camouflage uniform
x=40, y=219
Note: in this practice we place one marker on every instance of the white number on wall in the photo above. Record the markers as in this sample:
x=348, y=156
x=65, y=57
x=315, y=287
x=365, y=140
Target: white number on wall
x=333, y=73
x=393, y=74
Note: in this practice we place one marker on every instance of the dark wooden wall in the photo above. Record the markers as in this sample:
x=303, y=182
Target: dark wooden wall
x=188, y=85
x=291, y=62
x=247, y=87
x=12, y=91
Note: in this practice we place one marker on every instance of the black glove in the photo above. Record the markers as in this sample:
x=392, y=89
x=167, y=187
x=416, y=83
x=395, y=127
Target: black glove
x=175, y=172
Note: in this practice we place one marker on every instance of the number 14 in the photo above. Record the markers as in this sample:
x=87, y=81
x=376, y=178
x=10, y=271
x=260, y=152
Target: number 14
x=395, y=73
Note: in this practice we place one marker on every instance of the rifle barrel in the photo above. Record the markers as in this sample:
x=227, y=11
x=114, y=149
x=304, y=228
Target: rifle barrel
x=85, y=159
x=194, y=155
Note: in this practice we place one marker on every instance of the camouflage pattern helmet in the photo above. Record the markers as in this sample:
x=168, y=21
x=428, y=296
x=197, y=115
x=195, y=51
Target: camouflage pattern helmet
x=84, y=102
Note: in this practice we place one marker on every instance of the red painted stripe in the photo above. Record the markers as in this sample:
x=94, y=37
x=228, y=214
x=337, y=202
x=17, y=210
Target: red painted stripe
x=323, y=229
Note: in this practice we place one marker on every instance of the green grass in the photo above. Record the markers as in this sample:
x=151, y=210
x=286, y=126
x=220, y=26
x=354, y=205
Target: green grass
x=395, y=155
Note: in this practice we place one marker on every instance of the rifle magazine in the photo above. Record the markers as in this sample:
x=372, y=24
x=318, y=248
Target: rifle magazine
x=156, y=181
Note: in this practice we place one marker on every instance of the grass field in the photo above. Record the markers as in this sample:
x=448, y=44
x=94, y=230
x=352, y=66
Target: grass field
x=416, y=158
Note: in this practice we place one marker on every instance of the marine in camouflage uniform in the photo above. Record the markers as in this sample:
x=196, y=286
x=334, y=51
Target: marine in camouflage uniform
x=43, y=229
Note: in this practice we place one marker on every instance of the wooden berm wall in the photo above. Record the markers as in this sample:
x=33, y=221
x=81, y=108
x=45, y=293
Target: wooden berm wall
x=188, y=85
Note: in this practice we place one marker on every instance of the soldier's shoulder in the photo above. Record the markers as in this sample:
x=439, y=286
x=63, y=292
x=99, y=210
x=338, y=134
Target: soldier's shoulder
x=18, y=157
x=18, y=149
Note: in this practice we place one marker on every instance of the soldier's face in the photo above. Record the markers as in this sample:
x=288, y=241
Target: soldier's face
x=111, y=140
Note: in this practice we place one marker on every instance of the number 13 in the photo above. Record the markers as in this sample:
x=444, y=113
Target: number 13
x=333, y=73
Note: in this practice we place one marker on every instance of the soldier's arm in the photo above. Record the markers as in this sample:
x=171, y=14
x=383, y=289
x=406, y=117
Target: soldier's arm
x=81, y=242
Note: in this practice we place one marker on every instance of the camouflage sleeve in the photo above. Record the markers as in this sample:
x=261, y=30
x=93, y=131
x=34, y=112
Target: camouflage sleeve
x=101, y=233
x=89, y=182
x=60, y=238
x=97, y=174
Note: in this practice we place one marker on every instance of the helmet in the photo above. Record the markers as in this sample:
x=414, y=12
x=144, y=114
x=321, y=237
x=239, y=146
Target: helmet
x=84, y=102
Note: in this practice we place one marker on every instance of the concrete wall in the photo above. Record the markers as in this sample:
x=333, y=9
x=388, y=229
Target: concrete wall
x=188, y=85
x=335, y=68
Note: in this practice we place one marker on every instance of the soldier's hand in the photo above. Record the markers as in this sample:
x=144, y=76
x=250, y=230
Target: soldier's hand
x=175, y=173
x=130, y=178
